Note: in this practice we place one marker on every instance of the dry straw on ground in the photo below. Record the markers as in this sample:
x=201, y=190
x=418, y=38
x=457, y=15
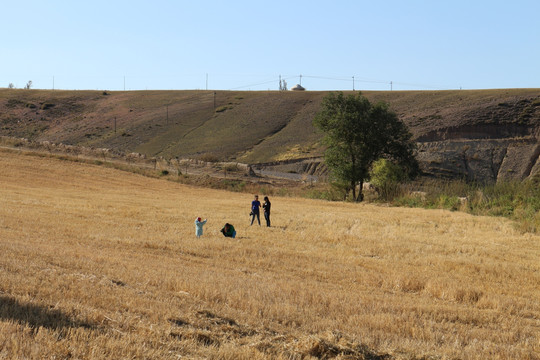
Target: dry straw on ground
x=98, y=263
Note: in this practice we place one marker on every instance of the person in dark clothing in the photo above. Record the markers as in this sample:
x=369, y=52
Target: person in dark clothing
x=255, y=210
x=228, y=231
x=266, y=208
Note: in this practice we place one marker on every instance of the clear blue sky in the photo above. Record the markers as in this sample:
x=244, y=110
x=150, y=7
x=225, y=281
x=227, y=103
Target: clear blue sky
x=246, y=45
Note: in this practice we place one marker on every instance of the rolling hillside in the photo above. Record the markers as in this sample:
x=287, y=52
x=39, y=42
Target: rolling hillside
x=482, y=135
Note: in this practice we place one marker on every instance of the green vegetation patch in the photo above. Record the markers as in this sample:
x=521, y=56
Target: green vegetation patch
x=519, y=201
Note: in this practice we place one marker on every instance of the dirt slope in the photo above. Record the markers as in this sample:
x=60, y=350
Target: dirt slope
x=479, y=135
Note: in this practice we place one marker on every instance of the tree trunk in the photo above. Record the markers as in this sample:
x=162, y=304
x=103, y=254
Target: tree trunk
x=360, y=192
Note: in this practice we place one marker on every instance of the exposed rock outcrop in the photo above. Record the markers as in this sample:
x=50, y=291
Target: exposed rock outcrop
x=488, y=160
x=488, y=143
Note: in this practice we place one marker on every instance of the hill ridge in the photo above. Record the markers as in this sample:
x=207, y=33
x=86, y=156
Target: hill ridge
x=267, y=126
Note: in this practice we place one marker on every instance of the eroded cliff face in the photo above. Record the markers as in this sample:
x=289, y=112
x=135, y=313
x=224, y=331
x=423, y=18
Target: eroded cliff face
x=499, y=143
x=482, y=160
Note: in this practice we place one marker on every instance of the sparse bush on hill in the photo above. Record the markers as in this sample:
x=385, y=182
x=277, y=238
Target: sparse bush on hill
x=235, y=185
x=230, y=167
x=209, y=158
x=332, y=193
x=223, y=108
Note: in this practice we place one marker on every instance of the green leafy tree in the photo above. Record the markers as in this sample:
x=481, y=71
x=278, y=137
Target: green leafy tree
x=357, y=133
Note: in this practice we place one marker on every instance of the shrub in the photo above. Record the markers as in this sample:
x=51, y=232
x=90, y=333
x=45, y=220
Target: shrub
x=47, y=106
x=448, y=202
x=410, y=201
x=519, y=201
x=231, y=167
x=336, y=191
x=209, y=158
x=386, y=177
x=223, y=108
x=234, y=185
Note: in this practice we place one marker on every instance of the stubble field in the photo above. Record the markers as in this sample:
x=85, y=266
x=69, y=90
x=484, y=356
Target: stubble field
x=97, y=263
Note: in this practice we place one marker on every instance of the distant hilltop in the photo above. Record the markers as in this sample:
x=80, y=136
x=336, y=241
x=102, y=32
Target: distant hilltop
x=481, y=135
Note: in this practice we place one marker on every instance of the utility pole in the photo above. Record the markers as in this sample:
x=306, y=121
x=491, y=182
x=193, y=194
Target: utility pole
x=353, y=83
x=300, y=79
x=391, y=86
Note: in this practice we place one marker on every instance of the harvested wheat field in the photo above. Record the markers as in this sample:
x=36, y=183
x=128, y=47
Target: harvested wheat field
x=98, y=264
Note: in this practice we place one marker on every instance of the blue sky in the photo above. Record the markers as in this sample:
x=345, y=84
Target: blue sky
x=247, y=45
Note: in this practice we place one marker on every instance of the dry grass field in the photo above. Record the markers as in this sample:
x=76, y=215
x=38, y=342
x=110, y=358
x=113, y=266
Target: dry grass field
x=98, y=264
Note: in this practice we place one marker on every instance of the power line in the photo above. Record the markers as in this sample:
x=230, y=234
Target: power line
x=353, y=81
x=257, y=84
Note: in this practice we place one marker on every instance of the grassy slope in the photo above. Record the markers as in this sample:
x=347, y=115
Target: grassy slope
x=98, y=263
x=249, y=126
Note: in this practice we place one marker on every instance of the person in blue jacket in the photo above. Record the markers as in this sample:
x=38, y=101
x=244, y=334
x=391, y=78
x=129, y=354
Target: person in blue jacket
x=255, y=210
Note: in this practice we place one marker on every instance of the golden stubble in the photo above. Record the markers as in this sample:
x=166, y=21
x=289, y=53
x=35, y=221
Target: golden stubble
x=97, y=262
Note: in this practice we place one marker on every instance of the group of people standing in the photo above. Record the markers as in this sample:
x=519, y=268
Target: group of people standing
x=255, y=210
x=228, y=230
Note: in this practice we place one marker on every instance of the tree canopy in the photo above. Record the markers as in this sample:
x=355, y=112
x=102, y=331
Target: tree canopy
x=357, y=133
